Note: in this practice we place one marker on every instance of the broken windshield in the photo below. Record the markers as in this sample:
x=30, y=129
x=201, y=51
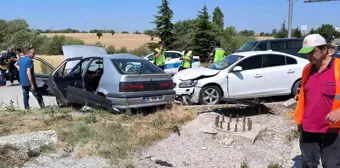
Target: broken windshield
x=225, y=63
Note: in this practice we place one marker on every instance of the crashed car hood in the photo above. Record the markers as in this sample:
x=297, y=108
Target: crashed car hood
x=194, y=73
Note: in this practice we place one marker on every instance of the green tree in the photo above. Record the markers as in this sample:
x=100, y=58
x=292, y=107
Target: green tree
x=297, y=33
x=218, y=18
x=327, y=30
x=283, y=33
x=247, y=33
x=164, y=26
x=274, y=32
x=150, y=33
x=99, y=34
x=262, y=34
x=183, y=33
x=112, y=32
x=203, y=34
x=125, y=32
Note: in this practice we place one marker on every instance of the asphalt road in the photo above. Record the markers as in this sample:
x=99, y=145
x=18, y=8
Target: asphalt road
x=14, y=93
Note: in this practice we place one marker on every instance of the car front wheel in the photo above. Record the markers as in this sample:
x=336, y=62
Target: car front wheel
x=210, y=95
x=296, y=87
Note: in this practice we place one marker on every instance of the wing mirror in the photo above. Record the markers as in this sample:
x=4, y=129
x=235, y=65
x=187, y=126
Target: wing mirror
x=237, y=69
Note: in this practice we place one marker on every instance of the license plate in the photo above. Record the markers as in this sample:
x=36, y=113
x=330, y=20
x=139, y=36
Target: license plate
x=153, y=98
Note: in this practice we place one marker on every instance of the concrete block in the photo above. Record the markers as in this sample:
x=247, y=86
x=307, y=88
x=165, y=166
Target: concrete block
x=291, y=103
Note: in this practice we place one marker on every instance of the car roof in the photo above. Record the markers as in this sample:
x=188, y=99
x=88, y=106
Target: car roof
x=251, y=53
x=283, y=39
x=122, y=56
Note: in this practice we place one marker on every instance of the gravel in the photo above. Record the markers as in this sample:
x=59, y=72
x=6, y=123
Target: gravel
x=197, y=149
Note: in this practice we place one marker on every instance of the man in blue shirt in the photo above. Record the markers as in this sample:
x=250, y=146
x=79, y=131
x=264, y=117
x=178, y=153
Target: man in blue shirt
x=27, y=79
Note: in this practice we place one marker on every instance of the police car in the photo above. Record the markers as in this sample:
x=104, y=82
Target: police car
x=173, y=62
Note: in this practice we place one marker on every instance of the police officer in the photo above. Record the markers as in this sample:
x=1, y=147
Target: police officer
x=160, y=56
x=217, y=53
x=186, y=59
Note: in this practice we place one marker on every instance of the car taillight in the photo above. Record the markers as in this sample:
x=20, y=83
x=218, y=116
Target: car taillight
x=166, y=85
x=129, y=86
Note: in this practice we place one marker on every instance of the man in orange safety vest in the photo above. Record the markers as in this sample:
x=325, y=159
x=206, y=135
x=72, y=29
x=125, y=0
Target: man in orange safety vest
x=318, y=109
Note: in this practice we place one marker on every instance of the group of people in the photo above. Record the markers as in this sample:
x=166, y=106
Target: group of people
x=8, y=58
x=23, y=68
x=216, y=54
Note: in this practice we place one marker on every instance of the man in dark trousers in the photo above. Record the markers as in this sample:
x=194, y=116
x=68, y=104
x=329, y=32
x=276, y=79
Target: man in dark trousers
x=12, y=58
x=317, y=112
x=27, y=79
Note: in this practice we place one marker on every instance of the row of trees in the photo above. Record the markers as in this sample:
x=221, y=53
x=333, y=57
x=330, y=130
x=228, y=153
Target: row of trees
x=326, y=30
x=16, y=33
x=69, y=30
x=200, y=32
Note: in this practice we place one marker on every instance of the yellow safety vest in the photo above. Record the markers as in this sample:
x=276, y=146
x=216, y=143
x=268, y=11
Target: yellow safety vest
x=160, y=61
x=219, y=54
x=186, y=63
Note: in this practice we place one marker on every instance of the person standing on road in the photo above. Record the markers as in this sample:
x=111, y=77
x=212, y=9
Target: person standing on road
x=27, y=79
x=12, y=58
x=3, y=68
x=318, y=109
x=186, y=59
x=160, y=56
x=217, y=53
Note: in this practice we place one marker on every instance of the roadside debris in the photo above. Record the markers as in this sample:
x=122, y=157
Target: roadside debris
x=290, y=103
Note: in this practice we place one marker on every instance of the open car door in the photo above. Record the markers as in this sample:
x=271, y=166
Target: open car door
x=63, y=77
x=83, y=97
x=41, y=78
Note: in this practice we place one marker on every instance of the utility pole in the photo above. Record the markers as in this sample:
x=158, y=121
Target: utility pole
x=290, y=18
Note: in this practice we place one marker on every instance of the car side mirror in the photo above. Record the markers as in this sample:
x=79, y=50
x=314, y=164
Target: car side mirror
x=237, y=69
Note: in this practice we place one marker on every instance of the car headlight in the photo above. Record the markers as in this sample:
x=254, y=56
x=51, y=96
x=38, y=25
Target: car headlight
x=187, y=83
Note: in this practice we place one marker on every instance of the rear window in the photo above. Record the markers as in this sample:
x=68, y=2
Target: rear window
x=135, y=66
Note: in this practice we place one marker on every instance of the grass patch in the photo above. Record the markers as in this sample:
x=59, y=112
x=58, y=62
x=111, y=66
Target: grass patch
x=274, y=165
x=111, y=136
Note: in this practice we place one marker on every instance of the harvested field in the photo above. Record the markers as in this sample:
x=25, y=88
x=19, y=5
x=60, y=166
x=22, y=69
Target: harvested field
x=130, y=41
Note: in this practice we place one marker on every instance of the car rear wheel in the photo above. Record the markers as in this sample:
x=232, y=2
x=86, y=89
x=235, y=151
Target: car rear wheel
x=296, y=87
x=60, y=103
x=210, y=95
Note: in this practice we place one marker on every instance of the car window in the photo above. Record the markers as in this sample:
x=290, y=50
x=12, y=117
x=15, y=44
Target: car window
x=248, y=46
x=290, y=60
x=278, y=45
x=261, y=47
x=42, y=68
x=294, y=44
x=253, y=62
x=68, y=68
x=275, y=60
x=135, y=66
x=151, y=57
x=171, y=55
x=96, y=64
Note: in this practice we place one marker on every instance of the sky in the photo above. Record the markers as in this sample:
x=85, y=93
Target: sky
x=132, y=15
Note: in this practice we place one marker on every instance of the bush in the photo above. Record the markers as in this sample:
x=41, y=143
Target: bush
x=152, y=46
x=141, y=51
x=122, y=50
x=125, y=32
x=53, y=46
x=110, y=49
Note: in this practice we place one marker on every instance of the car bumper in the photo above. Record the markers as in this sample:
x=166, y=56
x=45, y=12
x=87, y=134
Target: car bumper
x=137, y=100
x=188, y=95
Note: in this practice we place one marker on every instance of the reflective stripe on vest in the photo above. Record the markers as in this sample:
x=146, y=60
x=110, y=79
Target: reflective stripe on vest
x=299, y=110
x=219, y=54
x=185, y=63
x=160, y=61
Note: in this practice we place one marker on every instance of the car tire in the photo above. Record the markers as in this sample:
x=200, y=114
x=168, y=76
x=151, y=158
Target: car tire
x=59, y=102
x=296, y=87
x=210, y=95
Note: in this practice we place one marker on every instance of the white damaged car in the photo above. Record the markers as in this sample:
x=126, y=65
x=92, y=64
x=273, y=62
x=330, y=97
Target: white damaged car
x=242, y=75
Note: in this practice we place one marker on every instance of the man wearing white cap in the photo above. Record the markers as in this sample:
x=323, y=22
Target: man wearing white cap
x=318, y=109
